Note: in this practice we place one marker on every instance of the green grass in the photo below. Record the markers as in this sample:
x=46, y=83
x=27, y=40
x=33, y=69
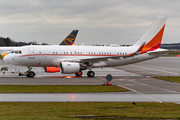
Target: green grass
x=101, y=110
x=59, y=88
x=171, y=79
x=173, y=54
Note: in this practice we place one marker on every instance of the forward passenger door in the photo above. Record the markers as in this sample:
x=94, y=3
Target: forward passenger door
x=31, y=53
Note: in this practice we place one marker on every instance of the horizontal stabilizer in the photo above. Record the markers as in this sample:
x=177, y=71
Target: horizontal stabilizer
x=159, y=52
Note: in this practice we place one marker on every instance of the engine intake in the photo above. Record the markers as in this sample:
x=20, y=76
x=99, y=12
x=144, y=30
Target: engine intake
x=69, y=67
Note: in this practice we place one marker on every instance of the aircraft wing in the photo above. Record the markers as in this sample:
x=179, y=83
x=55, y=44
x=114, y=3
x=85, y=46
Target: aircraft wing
x=95, y=59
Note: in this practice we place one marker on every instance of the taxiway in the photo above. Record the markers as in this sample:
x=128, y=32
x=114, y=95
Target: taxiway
x=135, y=77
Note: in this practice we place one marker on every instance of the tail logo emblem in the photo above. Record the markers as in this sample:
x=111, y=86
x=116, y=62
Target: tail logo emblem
x=70, y=39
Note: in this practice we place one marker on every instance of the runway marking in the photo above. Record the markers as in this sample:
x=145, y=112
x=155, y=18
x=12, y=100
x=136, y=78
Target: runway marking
x=101, y=78
x=156, y=70
x=140, y=93
x=154, y=86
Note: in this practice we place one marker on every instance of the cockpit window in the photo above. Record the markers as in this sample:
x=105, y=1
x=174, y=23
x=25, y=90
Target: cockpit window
x=17, y=52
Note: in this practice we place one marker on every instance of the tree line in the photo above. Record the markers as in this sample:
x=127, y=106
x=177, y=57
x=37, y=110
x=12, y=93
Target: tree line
x=8, y=42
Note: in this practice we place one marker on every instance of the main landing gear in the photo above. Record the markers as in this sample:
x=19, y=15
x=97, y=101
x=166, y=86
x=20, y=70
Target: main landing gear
x=89, y=73
x=78, y=73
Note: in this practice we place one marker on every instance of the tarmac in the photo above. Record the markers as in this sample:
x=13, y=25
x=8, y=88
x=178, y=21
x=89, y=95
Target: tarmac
x=135, y=77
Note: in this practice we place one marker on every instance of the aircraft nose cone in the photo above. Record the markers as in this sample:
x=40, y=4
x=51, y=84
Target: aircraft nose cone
x=6, y=59
x=3, y=55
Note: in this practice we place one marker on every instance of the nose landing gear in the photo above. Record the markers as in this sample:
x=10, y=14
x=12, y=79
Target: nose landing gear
x=30, y=74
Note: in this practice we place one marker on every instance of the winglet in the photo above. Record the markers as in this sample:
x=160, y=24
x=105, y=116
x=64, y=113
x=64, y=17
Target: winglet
x=138, y=51
x=141, y=48
x=69, y=40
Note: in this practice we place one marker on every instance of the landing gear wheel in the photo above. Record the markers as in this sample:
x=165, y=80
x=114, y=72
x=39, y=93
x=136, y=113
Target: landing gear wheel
x=30, y=74
x=78, y=73
x=90, y=74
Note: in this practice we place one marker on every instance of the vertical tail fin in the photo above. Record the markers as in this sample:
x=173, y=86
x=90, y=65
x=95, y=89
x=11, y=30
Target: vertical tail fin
x=153, y=36
x=69, y=40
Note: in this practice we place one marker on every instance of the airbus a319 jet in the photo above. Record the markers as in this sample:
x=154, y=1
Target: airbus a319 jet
x=74, y=59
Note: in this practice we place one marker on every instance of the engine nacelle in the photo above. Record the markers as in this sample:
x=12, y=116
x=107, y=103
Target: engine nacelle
x=52, y=69
x=69, y=67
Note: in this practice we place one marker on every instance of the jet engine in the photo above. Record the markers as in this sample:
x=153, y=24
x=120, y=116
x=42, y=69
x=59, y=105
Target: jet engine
x=69, y=67
x=52, y=69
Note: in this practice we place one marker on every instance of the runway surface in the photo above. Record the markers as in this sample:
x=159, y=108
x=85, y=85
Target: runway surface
x=89, y=97
x=163, y=66
x=135, y=77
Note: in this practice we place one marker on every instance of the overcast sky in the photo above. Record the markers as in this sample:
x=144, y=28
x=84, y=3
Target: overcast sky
x=98, y=21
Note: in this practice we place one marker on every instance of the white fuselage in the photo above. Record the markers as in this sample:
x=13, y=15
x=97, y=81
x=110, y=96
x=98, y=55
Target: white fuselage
x=47, y=56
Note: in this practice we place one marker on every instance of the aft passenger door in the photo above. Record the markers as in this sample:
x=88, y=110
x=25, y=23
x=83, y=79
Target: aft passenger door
x=31, y=53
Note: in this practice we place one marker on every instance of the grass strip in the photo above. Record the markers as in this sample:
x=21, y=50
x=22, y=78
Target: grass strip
x=171, y=78
x=173, y=54
x=59, y=88
x=77, y=110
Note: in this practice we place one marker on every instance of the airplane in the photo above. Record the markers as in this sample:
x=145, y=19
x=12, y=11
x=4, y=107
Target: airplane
x=74, y=59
